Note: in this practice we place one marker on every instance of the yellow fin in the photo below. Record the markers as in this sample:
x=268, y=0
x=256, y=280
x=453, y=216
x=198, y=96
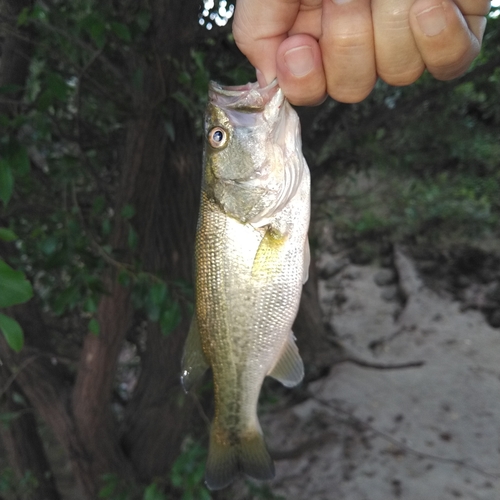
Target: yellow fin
x=194, y=363
x=267, y=258
x=230, y=454
x=289, y=369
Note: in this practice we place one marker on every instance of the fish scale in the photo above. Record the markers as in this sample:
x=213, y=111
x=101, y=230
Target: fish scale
x=251, y=258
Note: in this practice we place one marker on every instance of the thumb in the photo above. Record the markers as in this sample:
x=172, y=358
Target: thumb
x=259, y=27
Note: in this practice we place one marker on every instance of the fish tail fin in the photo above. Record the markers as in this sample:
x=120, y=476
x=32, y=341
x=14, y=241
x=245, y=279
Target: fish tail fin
x=228, y=455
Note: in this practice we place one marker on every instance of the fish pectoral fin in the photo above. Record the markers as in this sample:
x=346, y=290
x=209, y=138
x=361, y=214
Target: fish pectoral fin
x=267, y=257
x=307, y=261
x=194, y=362
x=289, y=369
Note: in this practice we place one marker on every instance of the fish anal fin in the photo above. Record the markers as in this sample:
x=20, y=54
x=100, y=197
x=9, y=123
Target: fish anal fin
x=194, y=362
x=229, y=454
x=289, y=369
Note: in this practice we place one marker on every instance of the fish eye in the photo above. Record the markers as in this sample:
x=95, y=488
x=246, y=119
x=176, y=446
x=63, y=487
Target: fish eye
x=217, y=137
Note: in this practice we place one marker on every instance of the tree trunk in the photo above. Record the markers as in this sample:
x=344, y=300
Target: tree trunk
x=91, y=398
x=23, y=444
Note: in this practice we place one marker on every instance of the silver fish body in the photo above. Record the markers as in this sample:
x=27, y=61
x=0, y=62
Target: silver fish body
x=251, y=260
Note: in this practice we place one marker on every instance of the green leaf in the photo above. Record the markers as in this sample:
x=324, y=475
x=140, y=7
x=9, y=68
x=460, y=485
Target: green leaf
x=106, y=227
x=6, y=182
x=12, y=332
x=14, y=287
x=170, y=318
x=121, y=31
x=6, y=418
x=23, y=16
x=10, y=88
x=39, y=13
x=90, y=305
x=124, y=278
x=152, y=492
x=57, y=86
x=67, y=299
x=98, y=205
x=128, y=211
x=170, y=130
x=143, y=19
x=132, y=238
x=7, y=235
x=49, y=245
x=21, y=160
x=96, y=28
x=158, y=293
x=94, y=327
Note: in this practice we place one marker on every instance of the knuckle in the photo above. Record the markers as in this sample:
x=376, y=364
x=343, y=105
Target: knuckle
x=348, y=93
x=448, y=60
x=403, y=77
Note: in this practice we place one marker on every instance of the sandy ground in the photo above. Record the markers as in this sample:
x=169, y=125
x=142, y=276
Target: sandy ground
x=430, y=432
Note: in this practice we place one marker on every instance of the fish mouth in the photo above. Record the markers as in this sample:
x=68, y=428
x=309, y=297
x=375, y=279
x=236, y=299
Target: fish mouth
x=249, y=98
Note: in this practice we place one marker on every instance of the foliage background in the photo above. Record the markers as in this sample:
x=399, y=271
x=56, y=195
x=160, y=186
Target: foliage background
x=101, y=107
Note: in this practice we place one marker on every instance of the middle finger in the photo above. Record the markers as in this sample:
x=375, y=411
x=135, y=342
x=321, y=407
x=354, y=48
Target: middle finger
x=347, y=49
x=398, y=58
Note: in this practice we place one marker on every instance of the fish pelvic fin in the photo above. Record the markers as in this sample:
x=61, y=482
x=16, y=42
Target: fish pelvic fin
x=289, y=369
x=230, y=454
x=194, y=362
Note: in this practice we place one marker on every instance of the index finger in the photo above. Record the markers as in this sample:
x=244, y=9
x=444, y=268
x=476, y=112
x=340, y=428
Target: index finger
x=259, y=27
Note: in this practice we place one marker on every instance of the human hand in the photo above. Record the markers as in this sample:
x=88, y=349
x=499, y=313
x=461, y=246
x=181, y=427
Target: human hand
x=340, y=47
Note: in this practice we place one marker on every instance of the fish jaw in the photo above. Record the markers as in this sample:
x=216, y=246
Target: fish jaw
x=247, y=100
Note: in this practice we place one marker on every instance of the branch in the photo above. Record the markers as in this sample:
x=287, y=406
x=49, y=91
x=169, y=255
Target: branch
x=15, y=373
x=382, y=366
x=115, y=70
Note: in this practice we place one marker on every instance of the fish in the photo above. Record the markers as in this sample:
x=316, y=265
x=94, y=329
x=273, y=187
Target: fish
x=251, y=260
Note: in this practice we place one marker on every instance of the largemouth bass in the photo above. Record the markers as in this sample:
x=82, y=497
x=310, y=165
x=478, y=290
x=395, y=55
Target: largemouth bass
x=251, y=260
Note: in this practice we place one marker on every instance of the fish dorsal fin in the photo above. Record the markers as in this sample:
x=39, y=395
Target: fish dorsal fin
x=289, y=369
x=307, y=261
x=194, y=362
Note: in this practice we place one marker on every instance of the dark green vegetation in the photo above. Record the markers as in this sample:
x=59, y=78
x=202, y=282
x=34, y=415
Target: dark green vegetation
x=101, y=107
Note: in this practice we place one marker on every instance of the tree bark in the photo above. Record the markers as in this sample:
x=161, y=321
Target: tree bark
x=91, y=398
x=23, y=444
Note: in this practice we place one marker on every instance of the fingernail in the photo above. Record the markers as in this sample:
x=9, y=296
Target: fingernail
x=432, y=21
x=299, y=60
x=340, y=2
